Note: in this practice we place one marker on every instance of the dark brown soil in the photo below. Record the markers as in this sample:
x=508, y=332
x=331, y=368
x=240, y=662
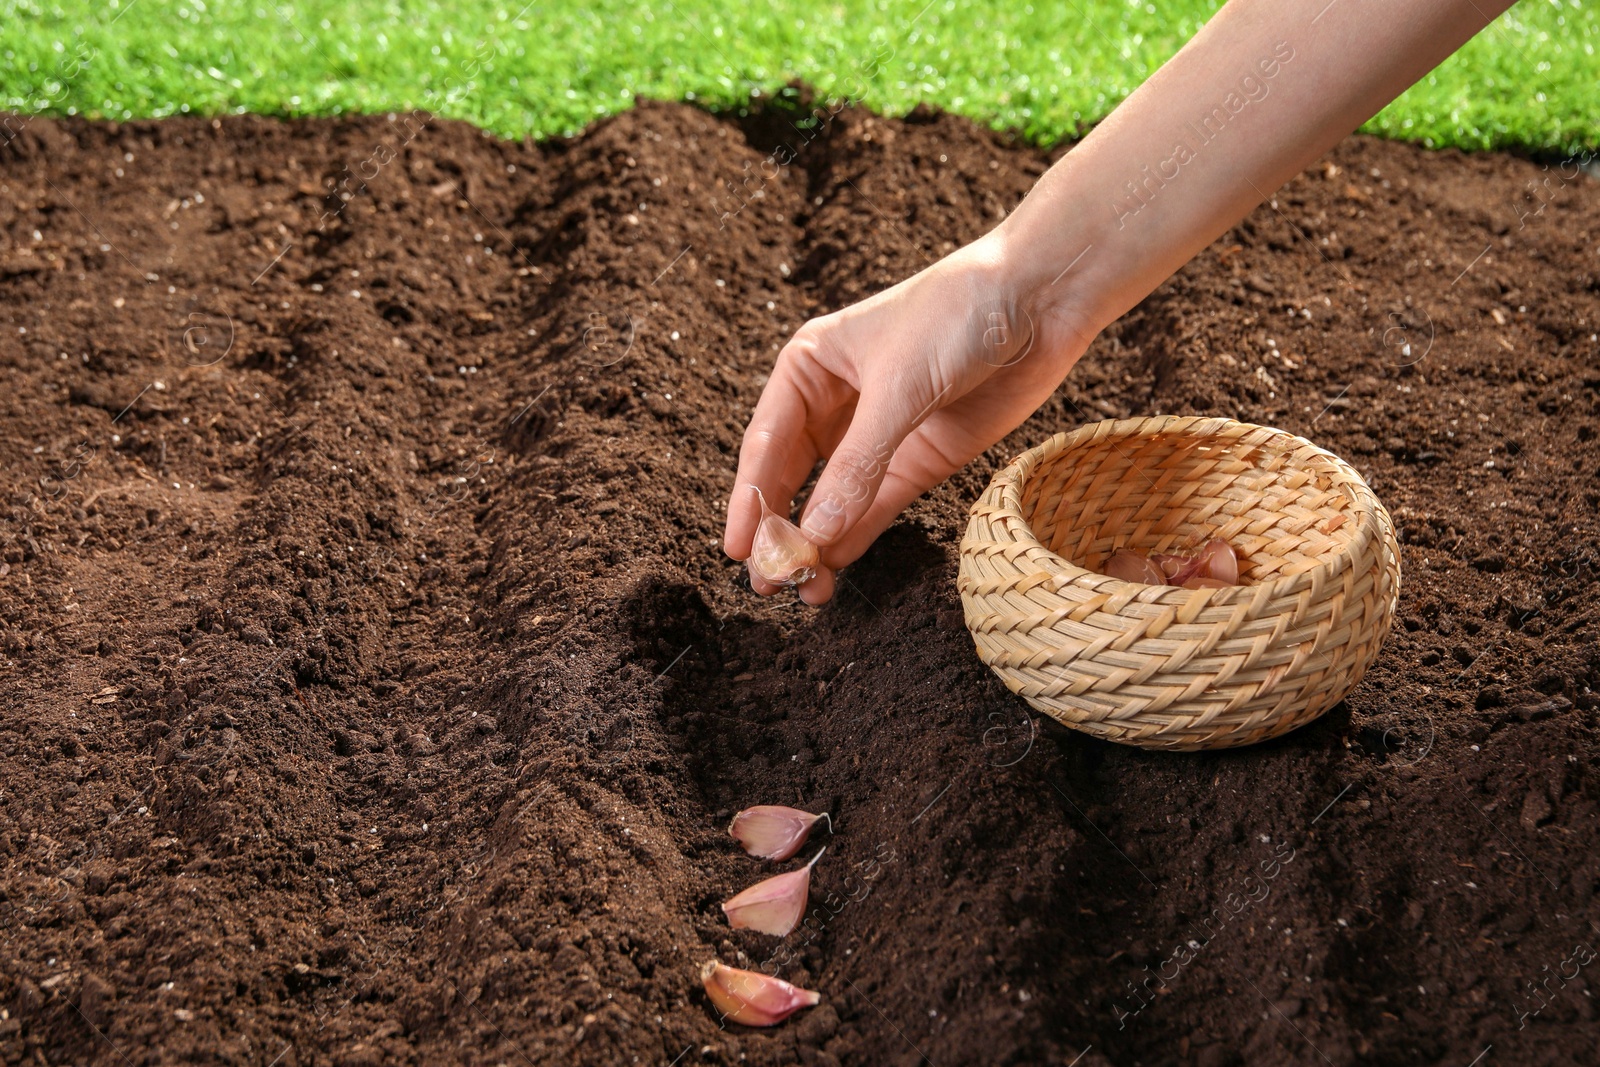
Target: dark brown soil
x=376, y=690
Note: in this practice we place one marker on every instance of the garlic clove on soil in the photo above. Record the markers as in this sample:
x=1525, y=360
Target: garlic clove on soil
x=781, y=554
x=775, y=905
x=752, y=998
x=772, y=831
x=1131, y=566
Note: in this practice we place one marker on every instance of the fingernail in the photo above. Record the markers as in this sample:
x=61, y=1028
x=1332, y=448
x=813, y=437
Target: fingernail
x=825, y=520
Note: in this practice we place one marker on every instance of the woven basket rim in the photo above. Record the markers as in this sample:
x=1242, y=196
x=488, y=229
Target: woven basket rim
x=1365, y=506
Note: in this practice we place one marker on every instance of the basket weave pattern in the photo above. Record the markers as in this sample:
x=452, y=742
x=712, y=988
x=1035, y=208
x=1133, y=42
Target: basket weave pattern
x=1163, y=666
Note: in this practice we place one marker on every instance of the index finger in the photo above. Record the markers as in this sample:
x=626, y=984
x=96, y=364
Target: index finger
x=768, y=450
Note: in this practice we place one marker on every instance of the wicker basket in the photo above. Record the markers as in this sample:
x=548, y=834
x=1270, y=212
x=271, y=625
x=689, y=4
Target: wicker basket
x=1163, y=666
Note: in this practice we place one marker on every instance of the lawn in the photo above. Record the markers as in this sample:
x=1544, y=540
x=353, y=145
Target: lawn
x=1530, y=81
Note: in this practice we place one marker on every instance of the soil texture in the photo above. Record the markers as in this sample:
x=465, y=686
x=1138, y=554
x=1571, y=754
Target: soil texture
x=376, y=690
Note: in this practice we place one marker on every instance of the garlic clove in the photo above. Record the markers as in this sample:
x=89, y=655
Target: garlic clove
x=752, y=998
x=775, y=905
x=1131, y=566
x=1218, y=560
x=1193, y=568
x=1171, y=565
x=781, y=554
x=774, y=832
x=1213, y=566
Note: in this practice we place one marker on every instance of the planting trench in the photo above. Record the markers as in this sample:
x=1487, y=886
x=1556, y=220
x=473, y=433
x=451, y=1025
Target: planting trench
x=377, y=690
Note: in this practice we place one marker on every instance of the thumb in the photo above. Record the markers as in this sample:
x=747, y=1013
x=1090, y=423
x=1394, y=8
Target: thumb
x=849, y=483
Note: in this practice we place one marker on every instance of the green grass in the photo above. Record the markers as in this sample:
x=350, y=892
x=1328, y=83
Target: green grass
x=1532, y=80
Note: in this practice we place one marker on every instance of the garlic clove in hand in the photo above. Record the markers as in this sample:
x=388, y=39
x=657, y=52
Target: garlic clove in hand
x=752, y=998
x=773, y=906
x=774, y=832
x=781, y=554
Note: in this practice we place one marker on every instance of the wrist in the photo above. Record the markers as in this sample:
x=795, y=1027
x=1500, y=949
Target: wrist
x=1002, y=312
x=1057, y=274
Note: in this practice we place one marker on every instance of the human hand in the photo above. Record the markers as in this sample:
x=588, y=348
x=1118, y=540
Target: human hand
x=897, y=393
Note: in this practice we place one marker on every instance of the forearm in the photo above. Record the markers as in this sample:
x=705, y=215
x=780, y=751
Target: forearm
x=1263, y=90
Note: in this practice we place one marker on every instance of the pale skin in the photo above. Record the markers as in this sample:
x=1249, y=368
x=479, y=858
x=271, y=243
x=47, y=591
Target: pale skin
x=905, y=388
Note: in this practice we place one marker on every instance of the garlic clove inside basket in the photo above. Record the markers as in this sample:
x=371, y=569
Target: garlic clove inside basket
x=1170, y=666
